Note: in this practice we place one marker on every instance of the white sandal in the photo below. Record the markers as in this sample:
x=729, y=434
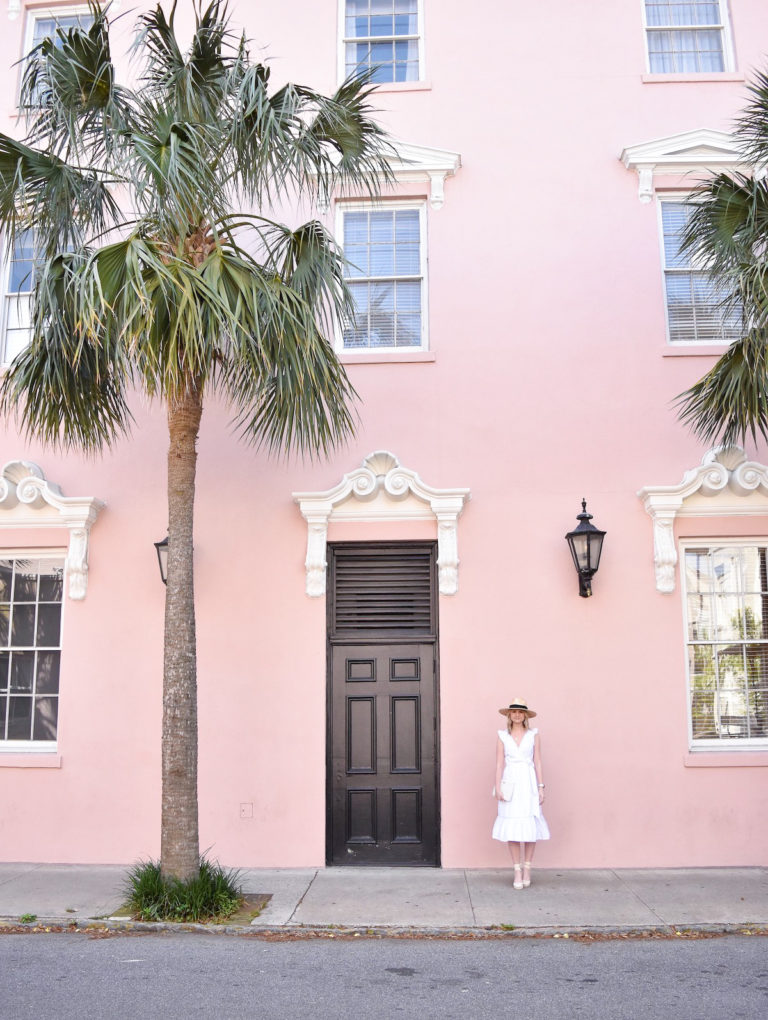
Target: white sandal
x=518, y=882
x=527, y=877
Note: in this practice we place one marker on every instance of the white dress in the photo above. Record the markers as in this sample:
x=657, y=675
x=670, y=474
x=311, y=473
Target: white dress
x=520, y=819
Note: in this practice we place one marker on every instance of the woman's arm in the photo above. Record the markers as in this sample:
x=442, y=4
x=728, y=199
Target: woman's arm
x=537, y=766
x=499, y=767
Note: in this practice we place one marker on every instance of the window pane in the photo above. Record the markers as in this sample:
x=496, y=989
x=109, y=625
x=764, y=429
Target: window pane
x=25, y=582
x=47, y=672
x=20, y=718
x=46, y=717
x=22, y=671
x=48, y=626
x=23, y=625
x=4, y=666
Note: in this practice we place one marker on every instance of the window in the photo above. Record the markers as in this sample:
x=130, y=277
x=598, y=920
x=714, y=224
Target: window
x=30, y=648
x=17, y=306
x=386, y=273
x=695, y=309
x=42, y=24
x=726, y=599
x=686, y=37
x=383, y=35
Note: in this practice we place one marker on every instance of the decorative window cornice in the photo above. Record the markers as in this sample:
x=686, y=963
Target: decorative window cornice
x=382, y=490
x=27, y=500
x=725, y=484
x=703, y=150
x=419, y=164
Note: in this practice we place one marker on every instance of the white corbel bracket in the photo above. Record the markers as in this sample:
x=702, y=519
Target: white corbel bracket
x=27, y=500
x=725, y=484
x=382, y=490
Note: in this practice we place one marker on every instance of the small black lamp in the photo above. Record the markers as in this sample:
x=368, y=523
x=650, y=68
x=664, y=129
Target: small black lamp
x=586, y=544
x=162, y=558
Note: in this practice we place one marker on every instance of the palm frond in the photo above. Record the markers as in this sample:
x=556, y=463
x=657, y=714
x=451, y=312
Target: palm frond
x=60, y=202
x=194, y=84
x=68, y=386
x=68, y=91
x=752, y=125
x=731, y=400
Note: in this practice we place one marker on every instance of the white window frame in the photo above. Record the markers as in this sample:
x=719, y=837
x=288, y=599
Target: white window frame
x=35, y=14
x=724, y=27
x=722, y=743
x=22, y=300
x=343, y=40
x=679, y=198
x=38, y=746
x=394, y=205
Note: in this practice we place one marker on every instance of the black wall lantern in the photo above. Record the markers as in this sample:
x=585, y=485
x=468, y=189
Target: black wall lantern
x=586, y=544
x=162, y=558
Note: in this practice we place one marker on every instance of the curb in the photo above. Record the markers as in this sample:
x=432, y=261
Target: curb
x=91, y=926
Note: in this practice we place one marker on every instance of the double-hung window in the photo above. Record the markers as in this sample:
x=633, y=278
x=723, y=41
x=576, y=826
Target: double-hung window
x=42, y=24
x=726, y=605
x=689, y=37
x=31, y=589
x=384, y=245
x=384, y=36
x=697, y=312
x=17, y=305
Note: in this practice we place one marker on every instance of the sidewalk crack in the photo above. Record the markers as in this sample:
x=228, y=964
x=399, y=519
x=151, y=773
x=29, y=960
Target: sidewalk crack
x=469, y=897
x=637, y=896
x=301, y=898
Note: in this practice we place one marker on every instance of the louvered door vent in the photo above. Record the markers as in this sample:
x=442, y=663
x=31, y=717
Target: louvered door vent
x=383, y=590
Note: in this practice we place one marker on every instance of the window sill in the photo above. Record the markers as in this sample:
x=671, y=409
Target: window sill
x=725, y=759
x=690, y=76
x=694, y=351
x=385, y=357
x=404, y=86
x=30, y=760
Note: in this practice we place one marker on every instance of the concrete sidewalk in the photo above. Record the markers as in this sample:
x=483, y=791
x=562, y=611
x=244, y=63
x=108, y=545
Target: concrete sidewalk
x=428, y=899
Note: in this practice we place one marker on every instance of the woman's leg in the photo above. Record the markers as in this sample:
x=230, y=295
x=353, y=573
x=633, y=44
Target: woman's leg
x=514, y=850
x=528, y=850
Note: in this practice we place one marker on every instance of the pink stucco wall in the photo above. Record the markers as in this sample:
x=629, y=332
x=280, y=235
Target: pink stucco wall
x=542, y=262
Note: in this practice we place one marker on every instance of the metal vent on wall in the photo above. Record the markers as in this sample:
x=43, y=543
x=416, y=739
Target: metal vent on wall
x=383, y=590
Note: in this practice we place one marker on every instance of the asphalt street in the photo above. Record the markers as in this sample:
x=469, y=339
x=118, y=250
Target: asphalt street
x=178, y=977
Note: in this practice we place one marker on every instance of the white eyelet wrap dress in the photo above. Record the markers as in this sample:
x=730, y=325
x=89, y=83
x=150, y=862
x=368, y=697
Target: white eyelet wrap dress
x=519, y=819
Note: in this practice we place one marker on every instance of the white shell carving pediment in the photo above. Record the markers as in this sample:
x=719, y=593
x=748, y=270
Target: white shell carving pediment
x=725, y=484
x=382, y=490
x=29, y=500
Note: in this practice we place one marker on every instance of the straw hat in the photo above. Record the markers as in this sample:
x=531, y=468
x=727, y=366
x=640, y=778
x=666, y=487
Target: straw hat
x=517, y=705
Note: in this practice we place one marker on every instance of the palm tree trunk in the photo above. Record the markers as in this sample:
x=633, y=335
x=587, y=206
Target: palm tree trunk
x=179, y=839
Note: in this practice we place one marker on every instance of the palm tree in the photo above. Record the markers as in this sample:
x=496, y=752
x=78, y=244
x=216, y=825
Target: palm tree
x=151, y=277
x=727, y=234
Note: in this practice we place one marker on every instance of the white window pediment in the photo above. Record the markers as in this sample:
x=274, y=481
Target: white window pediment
x=382, y=490
x=27, y=500
x=419, y=164
x=725, y=484
x=702, y=150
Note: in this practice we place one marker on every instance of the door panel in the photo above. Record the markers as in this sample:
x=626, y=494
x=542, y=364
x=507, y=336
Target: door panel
x=383, y=760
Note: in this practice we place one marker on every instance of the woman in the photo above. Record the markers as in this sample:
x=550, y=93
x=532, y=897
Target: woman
x=519, y=790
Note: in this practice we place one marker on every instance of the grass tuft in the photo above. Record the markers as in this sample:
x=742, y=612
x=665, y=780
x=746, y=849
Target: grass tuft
x=213, y=896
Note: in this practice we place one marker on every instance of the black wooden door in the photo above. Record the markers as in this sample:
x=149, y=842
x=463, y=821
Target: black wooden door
x=383, y=803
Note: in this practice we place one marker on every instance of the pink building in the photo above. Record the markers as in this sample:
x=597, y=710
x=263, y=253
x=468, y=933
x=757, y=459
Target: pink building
x=526, y=323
